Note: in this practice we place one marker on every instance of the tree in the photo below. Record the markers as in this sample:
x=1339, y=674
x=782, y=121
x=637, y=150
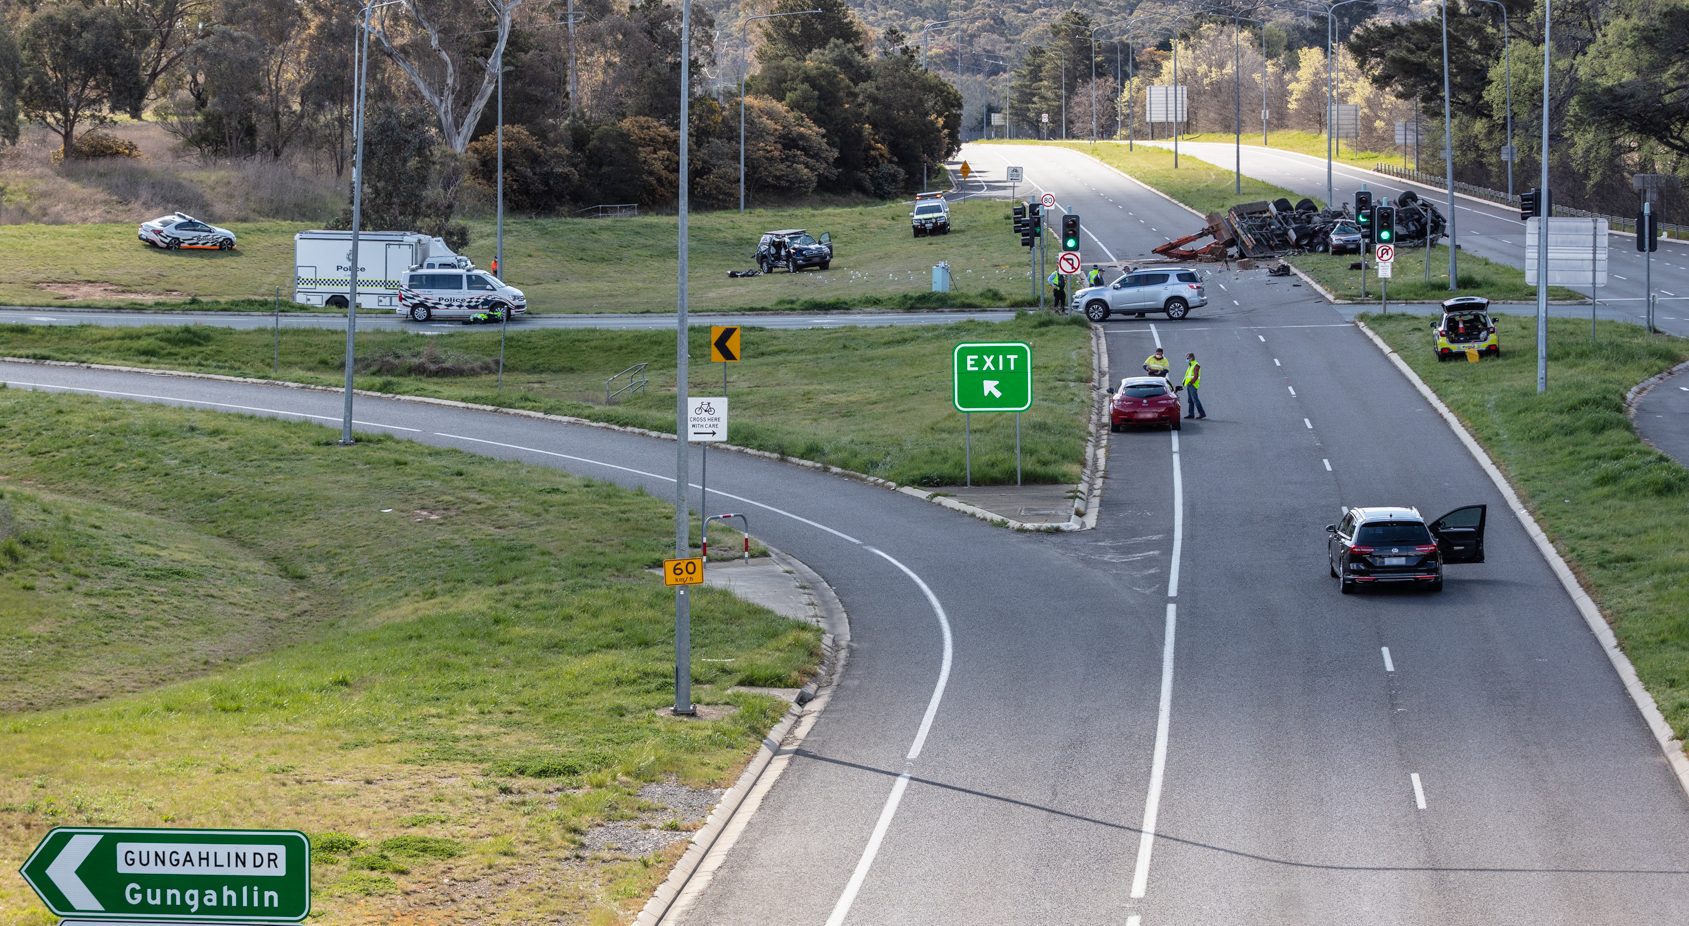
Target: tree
x=1637, y=78
x=256, y=71
x=168, y=29
x=801, y=36
x=443, y=51
x=416, y=187
x=79, y=63
x=10, y=76
x=1307, y=90
x=915, y=114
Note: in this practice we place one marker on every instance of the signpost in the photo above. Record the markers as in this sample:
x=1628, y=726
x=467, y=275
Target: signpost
x=686, y=571
x=991, y=377
x=1049, y=200
x=966, y=171
x=186, y=876
x=1577, y=252
x=1016, y=175
x=1385, y=254
x=1068, y=262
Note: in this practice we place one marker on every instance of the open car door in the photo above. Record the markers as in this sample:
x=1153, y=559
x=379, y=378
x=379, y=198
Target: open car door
x=826, y=239
x=1460, y=534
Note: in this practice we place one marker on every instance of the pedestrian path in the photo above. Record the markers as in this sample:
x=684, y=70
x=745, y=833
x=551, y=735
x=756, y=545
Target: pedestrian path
x=1662, y=415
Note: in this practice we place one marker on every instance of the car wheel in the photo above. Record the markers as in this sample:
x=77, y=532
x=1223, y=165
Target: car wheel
x=825, y=264
x=1096, y=310
x=792, y=264
x=1177, y=308
x=1175, y=424
x=1435, y=586
x=171, y=244
x=224, y=244
x=917, y=233
x=1344, y=584
x=335, y=302
x=1113, y=428
x=420, y=313
x=1320, y=247
x=1330, y=568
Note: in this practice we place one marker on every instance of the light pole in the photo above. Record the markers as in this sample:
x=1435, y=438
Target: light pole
x=682, y=517
x=1507, y=57
x=361, y=78
x=928, y=25
x=743, y=43
x=1543, y=197
x=1331, y=91
x=1448, y=148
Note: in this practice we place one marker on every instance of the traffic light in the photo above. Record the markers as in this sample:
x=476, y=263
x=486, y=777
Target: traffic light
x=1530, y=204
x=1035, y=212
x=1023, y=223
x=1070, y=232
x=1363, y=213
x=1018, y=215
x=1384, y=218
x=1647, y=231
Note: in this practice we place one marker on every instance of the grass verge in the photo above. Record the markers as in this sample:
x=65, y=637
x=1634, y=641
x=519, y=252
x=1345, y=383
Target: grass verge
x=1612, y=504
x=1196, y=183
x=564, y=265
x=870, y=400
x=1478, y=277
x=446, y=672
x=1309, y=143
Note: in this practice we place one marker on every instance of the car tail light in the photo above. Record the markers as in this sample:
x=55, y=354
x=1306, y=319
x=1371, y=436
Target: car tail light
x=1195, y=286
x=1426, y=548
x=1361, y=551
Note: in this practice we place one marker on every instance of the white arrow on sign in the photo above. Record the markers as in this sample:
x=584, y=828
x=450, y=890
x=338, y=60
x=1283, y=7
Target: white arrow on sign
x=63, y=872
x=991, y=388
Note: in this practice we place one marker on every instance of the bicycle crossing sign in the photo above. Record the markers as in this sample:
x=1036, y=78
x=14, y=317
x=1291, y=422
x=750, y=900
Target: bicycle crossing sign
x=706, y=419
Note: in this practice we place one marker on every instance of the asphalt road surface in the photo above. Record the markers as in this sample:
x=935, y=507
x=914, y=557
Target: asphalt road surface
x=1173, y=718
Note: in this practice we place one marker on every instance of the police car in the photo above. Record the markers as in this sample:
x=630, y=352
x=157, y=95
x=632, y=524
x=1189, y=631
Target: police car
x=931, y=215
x=180, y=230
x=453, y=293
x=1465, y=325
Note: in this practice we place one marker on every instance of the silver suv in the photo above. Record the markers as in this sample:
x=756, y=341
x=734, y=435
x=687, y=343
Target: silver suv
x=1173, y=290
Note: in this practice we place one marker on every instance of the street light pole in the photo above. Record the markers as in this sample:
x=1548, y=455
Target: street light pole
x=1448, y=150
x=744, y=41
x=1543, y=197
x=1331, y=91
x=361, y=78
x=682, y=517
x=1507, y=57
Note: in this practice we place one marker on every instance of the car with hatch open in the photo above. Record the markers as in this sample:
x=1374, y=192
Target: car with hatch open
x=1465, y=325
x=1395, y=546
x=1143, y=400
x=180, y=230
x=1172, y=290
x=793, y=249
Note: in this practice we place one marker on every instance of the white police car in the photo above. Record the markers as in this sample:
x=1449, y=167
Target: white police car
x=181, y=230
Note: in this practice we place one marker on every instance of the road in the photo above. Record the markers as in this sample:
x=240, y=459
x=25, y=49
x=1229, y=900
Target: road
x=1173, y=718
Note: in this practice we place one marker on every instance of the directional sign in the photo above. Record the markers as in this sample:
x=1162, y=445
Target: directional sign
x=706, y=419
x=966, y=170
x=1068, y=262
x=1385, y=253
x=724, y=344
x=187, y=876
x=1049, y=200
x=992, y=377
x=689, y=571
x=1017, y=174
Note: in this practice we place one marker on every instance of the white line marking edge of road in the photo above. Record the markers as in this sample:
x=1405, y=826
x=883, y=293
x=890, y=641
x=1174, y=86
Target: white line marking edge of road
x=1158, y=764
x=1389, y=664
x=1669, y=745
x=1418, y=790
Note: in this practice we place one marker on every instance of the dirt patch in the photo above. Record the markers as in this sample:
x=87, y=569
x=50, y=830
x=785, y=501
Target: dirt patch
x=105, y=291
x=672, y=812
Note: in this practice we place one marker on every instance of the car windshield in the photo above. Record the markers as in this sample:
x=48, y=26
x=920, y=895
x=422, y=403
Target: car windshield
x=1143, y=390
x=1393, y=533
x=1344, y=228
x=801, y=240
x=929, y=209
x=164, y=220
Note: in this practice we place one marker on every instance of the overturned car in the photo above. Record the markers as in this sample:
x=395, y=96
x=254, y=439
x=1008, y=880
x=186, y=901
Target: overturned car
x=1272, y=229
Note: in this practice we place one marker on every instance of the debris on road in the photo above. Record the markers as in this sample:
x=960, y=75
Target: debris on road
x=1263, y=230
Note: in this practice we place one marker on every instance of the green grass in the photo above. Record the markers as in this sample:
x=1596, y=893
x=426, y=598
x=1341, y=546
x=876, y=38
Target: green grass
x=448, y=668
x=1478, y=277
x=1309, y=143
x=1612, y=504
x=1198, y=184
x=564, y=265
x=870, y=400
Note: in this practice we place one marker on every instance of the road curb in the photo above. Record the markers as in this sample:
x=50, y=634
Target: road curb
x=1641, y=389
x=712, y=842
x=1670, y=746
x=1073, y=522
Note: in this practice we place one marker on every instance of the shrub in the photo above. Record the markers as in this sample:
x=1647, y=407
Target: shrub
x=97, y=144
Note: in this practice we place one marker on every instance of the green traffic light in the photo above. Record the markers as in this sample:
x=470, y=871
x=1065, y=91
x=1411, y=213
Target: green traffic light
x=1072, y=244
x=1384, y=234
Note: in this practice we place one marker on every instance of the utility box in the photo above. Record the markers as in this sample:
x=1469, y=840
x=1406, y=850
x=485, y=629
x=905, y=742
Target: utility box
x=941, y=277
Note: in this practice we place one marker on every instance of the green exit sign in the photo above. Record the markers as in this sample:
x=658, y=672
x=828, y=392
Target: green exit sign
x=992, y=377
x=226, y=876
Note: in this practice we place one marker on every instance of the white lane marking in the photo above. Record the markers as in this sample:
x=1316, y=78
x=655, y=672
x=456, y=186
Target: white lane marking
x=42, y=318
x=1178, y=521
x=1418, y=791
x=1292, y=391
x=1309, y=424
x=1134, y=920
x=51, y=387
x=1667, y=292
x=1221, y=285
x=842, y=908
x=1327, y=464
x=1504, y=241
x=1276, y=363
x=1617, y=277
x=1263, y=338
x=944, y=666
x=1235, y=302
x=1389, y=665
x=1155, y=334
x=1158, y=764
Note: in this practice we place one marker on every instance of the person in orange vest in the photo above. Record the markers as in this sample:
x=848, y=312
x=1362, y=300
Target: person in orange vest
x=495, y=267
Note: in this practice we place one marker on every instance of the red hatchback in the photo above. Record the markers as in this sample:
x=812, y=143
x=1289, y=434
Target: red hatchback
x=1143, y=400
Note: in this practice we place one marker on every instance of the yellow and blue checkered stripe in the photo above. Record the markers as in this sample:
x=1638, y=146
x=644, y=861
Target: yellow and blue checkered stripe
x=321, y=282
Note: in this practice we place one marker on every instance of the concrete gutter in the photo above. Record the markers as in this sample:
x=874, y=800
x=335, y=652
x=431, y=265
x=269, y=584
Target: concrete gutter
x=1670, y=746
x=710, y=845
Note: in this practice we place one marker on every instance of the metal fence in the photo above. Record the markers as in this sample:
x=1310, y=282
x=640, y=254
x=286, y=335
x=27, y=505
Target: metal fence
x=1615, y=222
x=610, y=211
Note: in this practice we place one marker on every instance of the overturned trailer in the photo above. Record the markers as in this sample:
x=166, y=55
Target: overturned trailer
x=1272, y=229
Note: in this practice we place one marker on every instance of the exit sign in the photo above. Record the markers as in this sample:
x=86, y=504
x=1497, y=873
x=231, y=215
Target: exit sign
x=992, y=377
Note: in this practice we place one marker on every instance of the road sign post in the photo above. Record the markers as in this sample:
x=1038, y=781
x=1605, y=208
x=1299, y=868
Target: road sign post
x=706, y=423
x=185, y=876
x=724, y=349
x=990, y=377
x=1067, y=262
x=1386, y=256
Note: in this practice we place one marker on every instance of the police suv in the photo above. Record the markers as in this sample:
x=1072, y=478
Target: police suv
x=426, y=293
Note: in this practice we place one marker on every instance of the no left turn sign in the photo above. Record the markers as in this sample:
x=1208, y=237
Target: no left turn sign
x=1386, y=253
x=1068, y=262
x=1049, y=200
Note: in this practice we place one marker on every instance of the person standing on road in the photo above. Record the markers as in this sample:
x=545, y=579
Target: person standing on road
x=1058, y=285
x=495, y=267
x=1156, y=364
x=1095, y=277
x=1193, y=382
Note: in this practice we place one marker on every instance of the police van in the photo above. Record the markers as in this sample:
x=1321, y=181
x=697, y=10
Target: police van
x=432, y=292
x=322, y=265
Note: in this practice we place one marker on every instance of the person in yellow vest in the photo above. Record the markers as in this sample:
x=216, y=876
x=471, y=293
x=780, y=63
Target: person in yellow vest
x=1156, y=364
x=1193, y=382
x=1058, y=288
x=1095, y=277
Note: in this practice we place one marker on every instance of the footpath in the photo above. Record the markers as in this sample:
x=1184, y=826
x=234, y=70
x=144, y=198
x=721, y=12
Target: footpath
x=1661, y=413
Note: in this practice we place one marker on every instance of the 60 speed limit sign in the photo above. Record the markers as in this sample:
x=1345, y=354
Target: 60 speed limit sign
x=689, y=571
